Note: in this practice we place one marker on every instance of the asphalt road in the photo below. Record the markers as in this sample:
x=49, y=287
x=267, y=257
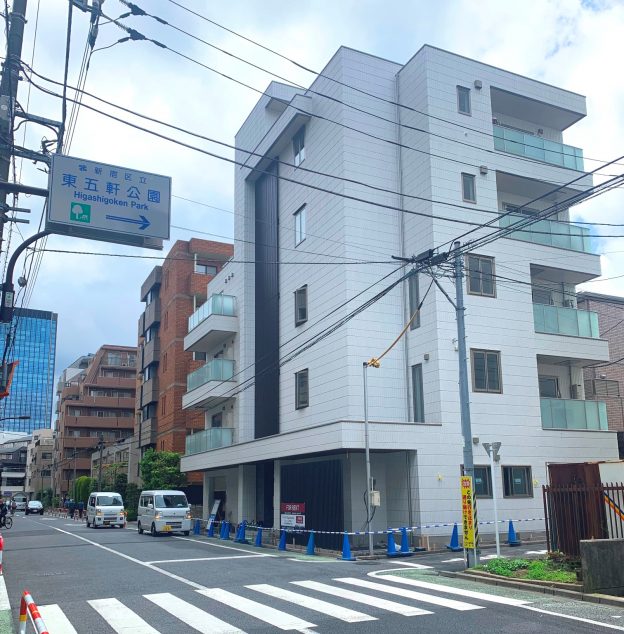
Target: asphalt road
x=114, y=580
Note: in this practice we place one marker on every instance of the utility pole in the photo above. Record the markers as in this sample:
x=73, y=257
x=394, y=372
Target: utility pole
x=369, y=482
x=73, y=496
x=8, y=94
x=101, y=448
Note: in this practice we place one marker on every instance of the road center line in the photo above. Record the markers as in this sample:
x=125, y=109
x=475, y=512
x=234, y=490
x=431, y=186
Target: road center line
x=145, y=564
x=176, y=561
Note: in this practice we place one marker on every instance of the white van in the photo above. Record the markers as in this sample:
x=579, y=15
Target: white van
x=163, y=512
x=20, y=500
x=105, y=508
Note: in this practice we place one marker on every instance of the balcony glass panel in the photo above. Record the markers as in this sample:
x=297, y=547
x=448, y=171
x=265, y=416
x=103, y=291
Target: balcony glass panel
x=551, y=233
x=215, y=370
x=214, y=305
x=535, y=147
x=558, y=413
x=557, y=320
x=209, y=439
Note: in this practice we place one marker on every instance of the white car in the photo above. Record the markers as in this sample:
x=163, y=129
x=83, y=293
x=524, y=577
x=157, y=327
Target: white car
x=34, y=507
x=105, y=508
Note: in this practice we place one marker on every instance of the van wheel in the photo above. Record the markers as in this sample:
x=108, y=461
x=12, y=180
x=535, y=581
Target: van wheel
x=187, y=533
x=153, y=530
x=88, y=523
x=140, y=528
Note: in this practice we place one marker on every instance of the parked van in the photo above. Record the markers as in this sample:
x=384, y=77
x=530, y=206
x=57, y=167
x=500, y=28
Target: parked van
x=20, y=500
x=105, y=508
x=163, y=512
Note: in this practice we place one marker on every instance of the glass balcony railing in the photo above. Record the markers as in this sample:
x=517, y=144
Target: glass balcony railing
x=557, y=320
x=214, y=305
x=538, y=148
x=209, y=439
x=215, y=370
x=559, y=413
x=551, y=233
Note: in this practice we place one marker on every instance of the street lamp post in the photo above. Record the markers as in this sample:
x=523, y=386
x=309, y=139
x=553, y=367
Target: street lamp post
x=492, y=451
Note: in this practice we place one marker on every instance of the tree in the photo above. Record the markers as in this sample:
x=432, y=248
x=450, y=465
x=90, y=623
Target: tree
x=83, y=487
x=161, y=470
x=131, y=501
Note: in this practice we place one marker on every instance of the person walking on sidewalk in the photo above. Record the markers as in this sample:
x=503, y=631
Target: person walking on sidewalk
x=80, y=509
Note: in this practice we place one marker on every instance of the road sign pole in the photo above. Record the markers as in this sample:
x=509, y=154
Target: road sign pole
x=494, y=500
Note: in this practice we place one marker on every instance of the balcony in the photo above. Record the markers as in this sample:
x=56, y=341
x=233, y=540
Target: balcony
x=536, y=147
x=152, y=313
x=551, y=233
x=209, y=439
x=154, y=279
x=209, y=385
x=211, y=324
x=557, y=320
x=150, y=392
x=148, y=430
x=151, y=352
x=558, y=413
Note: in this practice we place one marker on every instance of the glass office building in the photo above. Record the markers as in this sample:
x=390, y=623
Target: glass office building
x=32, y=390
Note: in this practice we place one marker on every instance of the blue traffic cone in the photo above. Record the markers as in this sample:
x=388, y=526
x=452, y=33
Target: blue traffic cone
x=210, y=531
x=405, y=549
x=225, y=533
x=392, y=551
x=346, y=549
x=282, y=541
x=310, y=548
x=512, y=538
x=241, y=533
x=196, y=527
x=258, y=541
x=454, y=545
x=237, y=532
x=221, y=527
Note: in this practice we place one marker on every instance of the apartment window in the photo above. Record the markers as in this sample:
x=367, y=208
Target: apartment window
x=301, y=305
x=199, y=356
x=481, y=275
x=482, y=480
x=301, y=389
x=542, y=296
x=418, y=393
x=299, y=146
x=469, y=188
x=150, y=333
x=300, y=225
x=166, y=320
x=165, y=362
x=149, y=372
x=413, y=287
x=163, y=405
x=602, y=387
x=463, y=100
x=205, y=269
x=517, y=482
x=549, y=387
x=486, y=371
x=217, y=420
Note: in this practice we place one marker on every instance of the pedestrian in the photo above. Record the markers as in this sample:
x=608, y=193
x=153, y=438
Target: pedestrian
x=80, y=509
x=70, y=508
x=13, y=507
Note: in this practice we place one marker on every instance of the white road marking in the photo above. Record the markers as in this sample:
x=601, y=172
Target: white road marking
x=188, y=582
x=197, y=541
x=120, y=617
x=191, y=615
x=411, y=594
x=175, y=561
x=535, y=552
x=318, y=605
x=574, y=618
x=486, y=557
x=449, y=561
x=409, y=564
x=55, y=620
x=277, y=618
x=470, y=594
x=358, y=597
x=4, y=596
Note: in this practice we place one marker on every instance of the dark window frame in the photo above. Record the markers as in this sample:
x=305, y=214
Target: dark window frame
x=473, y=179
x=301, y=304
x=298, y=141
x=302, y=389
x=463, y=90
x=508, y=487
x=300, y=218
x=477, y=273
x=413, y=291
x=487, y=390
x=418, y=394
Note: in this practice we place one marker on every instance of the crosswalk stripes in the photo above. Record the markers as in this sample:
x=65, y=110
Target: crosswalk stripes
x=198, y=610
x=121, y=618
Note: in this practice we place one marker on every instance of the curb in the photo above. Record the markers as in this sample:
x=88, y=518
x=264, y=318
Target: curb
x=493, y=580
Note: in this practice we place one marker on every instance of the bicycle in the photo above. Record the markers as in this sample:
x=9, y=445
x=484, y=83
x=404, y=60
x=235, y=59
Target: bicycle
x=7, y=522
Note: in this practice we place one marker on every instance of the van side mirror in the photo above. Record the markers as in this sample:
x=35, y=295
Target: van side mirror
x=150, y=506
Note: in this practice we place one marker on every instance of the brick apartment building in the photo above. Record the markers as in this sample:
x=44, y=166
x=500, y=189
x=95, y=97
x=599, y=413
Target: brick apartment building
x=605, y=381
x=96, y=401
x=39, y=458
x=171, y=293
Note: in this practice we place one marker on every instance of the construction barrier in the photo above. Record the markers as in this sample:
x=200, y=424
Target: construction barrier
x=29, y=608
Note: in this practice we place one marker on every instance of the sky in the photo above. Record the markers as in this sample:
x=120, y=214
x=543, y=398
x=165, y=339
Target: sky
x=574, y=44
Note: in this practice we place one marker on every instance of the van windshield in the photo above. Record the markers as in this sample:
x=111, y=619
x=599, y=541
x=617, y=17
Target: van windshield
x=171, y=502
x=109, y=500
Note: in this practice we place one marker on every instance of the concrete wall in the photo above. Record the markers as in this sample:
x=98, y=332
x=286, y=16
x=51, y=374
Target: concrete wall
x=601, y=561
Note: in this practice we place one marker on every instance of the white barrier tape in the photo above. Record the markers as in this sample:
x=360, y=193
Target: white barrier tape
x=409, y=529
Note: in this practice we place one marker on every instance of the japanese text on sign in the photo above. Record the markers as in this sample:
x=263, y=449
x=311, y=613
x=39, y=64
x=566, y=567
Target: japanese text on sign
x=468, y=512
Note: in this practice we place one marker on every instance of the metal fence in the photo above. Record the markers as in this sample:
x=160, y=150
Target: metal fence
x=575, y=512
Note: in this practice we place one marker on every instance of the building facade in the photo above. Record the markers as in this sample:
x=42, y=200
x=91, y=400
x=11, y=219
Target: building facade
x=95, y=403
x=39, y=460
x=171, y=293
x=32, y=389
x=282, y=387
x=13, y=457
x=605, y=381
x=114, y=460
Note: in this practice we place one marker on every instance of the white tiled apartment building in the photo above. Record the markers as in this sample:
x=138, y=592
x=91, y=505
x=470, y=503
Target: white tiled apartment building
x=471, y=135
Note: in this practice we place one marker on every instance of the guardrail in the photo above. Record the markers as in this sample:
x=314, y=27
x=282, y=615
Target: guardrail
x=28, y=608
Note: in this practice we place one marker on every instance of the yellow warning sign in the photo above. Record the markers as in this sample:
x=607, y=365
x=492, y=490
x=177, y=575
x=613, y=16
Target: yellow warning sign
x=468, y=511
